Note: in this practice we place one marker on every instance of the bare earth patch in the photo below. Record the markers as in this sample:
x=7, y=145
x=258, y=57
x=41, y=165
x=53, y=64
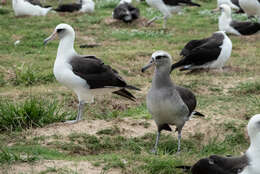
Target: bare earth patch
x=56, y=166
x=129, y=127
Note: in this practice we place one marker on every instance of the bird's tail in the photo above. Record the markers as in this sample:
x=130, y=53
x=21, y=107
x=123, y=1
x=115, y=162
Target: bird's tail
x=124, y=93
x=198, y=114
x=132, y=87
x=178, y=64
x=188, y=2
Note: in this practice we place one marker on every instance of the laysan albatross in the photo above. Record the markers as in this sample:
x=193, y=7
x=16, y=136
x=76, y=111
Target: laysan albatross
x=126, y=12
x=25, y=8
x=251, y=7
x=225, y=23
x=168, y=7
x=211, y=52
x=85, y=75
x=245, y=164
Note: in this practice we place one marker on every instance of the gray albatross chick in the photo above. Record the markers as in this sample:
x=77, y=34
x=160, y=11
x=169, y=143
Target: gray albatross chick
x=245, y=164
x=86, y=75
x=168, y=103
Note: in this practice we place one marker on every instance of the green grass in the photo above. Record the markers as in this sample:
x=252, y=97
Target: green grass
x=30, y=97
x=33, y=112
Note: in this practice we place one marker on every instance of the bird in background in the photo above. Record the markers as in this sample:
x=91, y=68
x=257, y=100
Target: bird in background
x=208, y=53
x=126, y=12
x=25, y=8
x=168, y=7
x=225, y=23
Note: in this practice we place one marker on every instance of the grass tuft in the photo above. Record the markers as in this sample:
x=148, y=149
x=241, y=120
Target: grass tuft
x=33, y=112
x=9, y=157
x=30, y=76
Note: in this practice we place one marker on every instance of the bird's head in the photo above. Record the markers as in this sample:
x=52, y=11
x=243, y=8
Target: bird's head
x=62, y=31
x=161, y=59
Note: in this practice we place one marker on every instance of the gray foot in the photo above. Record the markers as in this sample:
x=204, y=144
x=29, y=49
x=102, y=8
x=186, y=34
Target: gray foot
x=154, y=151
x=72, y=121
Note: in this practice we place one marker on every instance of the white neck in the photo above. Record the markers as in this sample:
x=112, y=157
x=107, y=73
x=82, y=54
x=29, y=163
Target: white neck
x=255, y=145
x=66, y=48
x=224, y=20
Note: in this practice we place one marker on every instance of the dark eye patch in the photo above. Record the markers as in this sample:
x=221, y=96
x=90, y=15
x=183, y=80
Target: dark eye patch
x=60, y=30
x=160, y=57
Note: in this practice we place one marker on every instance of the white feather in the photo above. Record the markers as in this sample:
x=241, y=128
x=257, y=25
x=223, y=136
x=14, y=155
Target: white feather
x=88, y=6
x=24, y=8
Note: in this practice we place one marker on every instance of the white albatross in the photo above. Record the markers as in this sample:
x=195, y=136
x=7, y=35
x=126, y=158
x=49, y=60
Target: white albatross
x=225, y=23
x=86, y=75
x=24, y=8
x=251, y=7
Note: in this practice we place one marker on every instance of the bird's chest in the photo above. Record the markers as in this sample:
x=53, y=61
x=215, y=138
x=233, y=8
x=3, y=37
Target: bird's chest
x=63, y=73
x=224, y=55
x=165, y=109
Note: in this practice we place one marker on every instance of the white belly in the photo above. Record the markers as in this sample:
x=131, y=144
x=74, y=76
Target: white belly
x=224, y=54
x=63, y=73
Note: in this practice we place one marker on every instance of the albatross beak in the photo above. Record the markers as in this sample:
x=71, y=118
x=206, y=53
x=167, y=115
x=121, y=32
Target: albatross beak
x=151, y=63
x=51, y=37
x=216, y=10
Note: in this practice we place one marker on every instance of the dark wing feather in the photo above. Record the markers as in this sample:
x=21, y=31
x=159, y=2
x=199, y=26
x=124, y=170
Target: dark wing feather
x=235, y=2
x=188, y=98
x=96, y=73
x=206, y=166
x=171, y=2
x=191, y=45
x=68, y=7
x=205, y=53
x=35, y=2
x=179, y=2
x=135, y=12
x=231, y=164
x=246, y=28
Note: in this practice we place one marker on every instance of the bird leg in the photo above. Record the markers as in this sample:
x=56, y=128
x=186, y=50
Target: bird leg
x=154, y=150
x=151, y=21
x=80, y=112
x=164, y=22
x=179, y=139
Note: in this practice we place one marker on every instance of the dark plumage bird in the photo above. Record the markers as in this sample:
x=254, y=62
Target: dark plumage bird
x=225, y=23
x=38, y=2
x=168, y=103
x=246, y=164
x=126, y=12
x=84, y=6
x=168, y=7
x=210, y=52
x=86, y=75
x=69, y=7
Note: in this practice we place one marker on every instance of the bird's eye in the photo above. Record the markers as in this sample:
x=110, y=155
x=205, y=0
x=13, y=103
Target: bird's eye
x=60, y=30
